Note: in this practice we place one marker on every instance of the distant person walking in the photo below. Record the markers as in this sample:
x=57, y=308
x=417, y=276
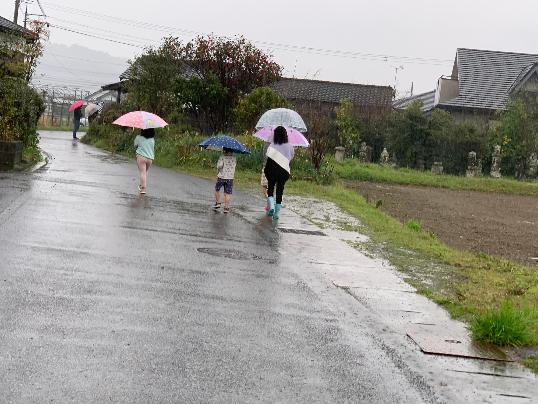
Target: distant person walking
x=145, y=154
x=77, y=116
x=277, y=169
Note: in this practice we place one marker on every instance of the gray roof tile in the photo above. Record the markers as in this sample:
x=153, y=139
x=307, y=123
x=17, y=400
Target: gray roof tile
x=8, y=26
x=485, y=77
x=333, y=92
x=427, y=100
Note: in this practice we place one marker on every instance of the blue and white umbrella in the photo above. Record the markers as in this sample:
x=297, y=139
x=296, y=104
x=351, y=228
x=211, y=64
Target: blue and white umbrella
x=222, y=141
x=281, y=117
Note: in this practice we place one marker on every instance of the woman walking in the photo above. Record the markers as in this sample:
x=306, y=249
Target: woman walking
x=277, y=169
x=145, y=154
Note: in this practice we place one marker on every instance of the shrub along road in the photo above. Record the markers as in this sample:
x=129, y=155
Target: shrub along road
x=110, y=296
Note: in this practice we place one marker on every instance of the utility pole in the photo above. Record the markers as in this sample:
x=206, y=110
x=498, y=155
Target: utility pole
x=26, y=16
x=16, y=13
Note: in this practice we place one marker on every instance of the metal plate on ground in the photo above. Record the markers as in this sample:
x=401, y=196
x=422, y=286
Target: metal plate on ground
x=436, y=345
x=229, y=253
x=302, y=231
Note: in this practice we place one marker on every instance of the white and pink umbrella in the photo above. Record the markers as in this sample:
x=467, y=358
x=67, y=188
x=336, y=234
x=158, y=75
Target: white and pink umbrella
x=295, y=138
x=140, y=120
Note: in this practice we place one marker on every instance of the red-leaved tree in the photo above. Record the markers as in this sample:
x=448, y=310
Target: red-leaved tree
x=236, y=64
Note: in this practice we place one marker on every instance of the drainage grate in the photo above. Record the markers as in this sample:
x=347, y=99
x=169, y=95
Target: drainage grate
x=229, y=253
x=305, y=232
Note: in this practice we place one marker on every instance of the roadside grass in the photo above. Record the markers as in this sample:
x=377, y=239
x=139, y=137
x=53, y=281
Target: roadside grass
x=61, y=128
x=531, y=363
x=352, y=170
x=506, y=326
x=470, y=286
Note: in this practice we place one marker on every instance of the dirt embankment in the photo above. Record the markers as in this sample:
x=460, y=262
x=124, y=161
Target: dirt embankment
x=497, y=224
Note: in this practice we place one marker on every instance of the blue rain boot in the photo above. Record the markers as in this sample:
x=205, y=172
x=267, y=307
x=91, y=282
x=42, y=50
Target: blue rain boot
x=278, y=207
x=271, y=204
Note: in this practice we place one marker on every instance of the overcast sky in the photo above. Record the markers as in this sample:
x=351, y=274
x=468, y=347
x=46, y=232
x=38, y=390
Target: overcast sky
x=419, y=37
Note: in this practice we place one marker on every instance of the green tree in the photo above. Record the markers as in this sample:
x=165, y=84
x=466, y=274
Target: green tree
x=409, y=136
x=251, y=107
x=152, y=78
x=179, y=76
x=517, y=133
x=20, y=109
x=204, y=99
x=19, y=55
x=348, y=126
x=238, y=65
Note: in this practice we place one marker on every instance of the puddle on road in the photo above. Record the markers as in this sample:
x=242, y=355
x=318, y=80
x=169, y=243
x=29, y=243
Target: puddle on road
x=417, y=269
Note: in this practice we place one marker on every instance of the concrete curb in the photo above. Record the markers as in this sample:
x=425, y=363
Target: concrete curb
x=41, y=164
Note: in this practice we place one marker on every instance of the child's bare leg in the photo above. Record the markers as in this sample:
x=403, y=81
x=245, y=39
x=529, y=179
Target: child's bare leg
x=217, y=197
x=227, y=199
x=141, y=162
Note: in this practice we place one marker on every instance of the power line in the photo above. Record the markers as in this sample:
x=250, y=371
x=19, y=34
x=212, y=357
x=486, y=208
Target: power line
x=94, y=36
x=91, y=60
x=68, y=24
x=266, y=44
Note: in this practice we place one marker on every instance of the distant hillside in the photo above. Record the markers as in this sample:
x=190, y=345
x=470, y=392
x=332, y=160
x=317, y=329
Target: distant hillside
x=77, y=67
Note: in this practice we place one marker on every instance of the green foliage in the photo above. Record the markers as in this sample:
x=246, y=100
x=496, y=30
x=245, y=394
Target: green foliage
x=506, y=326
x=452, y=141
x=348, y=126
x=19, y=55
x=414, y=225
x=20, y=109
x=152, y=78
x=205, y=78
x=251, y=107
x=177, y=146
x=517, y=133
x=321, y=134
x=532, y=363
x=354, y=171
x=410, y=136
x=204, y=98
x=418, y=140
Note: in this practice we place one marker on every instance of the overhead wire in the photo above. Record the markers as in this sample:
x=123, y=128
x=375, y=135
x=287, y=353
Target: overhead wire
x=265, y=44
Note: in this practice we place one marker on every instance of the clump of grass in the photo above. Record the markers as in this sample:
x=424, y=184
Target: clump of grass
x=531, y=363
x=414, y=225
x=506, y=326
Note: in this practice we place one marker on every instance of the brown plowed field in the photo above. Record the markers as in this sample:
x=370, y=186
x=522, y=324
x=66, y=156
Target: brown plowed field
x=497, y=224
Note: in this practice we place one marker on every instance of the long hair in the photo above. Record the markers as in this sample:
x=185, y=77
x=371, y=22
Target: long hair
x=280, y=135
x=148, y=133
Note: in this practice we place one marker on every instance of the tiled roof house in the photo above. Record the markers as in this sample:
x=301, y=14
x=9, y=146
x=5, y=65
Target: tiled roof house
x=482, y=82
x=325, y=95
x=10, y=28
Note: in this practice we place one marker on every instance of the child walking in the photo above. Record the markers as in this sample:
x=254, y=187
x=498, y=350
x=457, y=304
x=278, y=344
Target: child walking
x=225, y=178
x=145, y=154
x=277, y=169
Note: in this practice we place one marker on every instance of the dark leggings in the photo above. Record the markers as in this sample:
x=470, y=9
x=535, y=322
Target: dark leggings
x=276, y=176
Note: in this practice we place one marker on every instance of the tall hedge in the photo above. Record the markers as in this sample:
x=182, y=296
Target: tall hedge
x=20, y=109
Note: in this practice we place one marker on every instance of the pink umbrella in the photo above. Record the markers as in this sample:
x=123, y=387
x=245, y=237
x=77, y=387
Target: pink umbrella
x=77, y=104
x=295, y=138
x=140, y=120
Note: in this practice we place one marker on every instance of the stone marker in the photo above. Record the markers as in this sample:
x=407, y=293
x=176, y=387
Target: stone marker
x=533, y=166
x=339, y=153
x=437, y=168
x=496, y=162
x=474, y=165
x=365, y=153
x=384, y=159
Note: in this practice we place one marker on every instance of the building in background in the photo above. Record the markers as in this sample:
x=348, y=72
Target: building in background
x=481, y=83
x=369, y=101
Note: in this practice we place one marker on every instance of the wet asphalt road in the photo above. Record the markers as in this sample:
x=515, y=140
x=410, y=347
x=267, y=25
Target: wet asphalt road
x=107, y=296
